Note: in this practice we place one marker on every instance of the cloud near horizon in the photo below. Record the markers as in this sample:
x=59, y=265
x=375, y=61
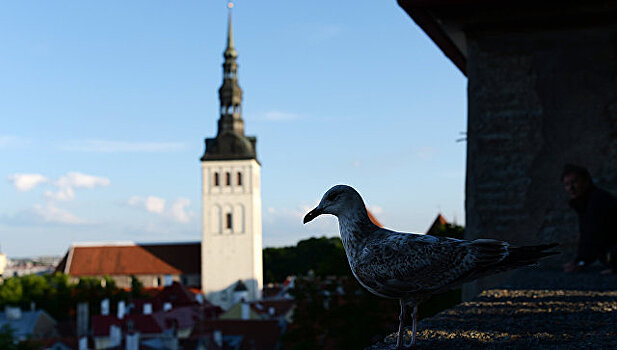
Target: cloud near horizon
x=65, y=184
x=43, y=215
x=53, y=214
x=63, y=190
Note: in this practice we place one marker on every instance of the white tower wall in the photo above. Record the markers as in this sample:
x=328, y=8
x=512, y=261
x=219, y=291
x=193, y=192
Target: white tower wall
x=231, y=246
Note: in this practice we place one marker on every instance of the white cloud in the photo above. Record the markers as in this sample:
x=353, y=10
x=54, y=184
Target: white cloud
x=109, y=146
x=62, y=189
x=63, y=194
x=152, y=204
x=278, y=116
x=65, y=185
x=155, y=204
x=75, y=179
x=71, y=180
x=178, y=210
x=51, y=213
x=26, y=182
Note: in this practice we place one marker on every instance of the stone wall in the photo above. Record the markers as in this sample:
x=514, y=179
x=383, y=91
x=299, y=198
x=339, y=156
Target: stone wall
x=537, y=100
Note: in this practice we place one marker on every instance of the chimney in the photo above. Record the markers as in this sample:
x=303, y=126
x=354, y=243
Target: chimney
x=12, y=313
x=105, y=306
x=147, y=308
x=121, y=309
x=246, y=311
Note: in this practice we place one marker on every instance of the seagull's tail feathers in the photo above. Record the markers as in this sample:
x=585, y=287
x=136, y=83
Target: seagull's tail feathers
x=523, y=256
x=527, y=255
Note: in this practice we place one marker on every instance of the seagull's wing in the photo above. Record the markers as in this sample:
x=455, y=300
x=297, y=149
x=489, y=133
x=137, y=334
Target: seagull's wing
x=395, y=264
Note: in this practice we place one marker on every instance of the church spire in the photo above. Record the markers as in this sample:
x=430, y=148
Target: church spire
x=230, y=93
x=230, y=141
x=230, y=50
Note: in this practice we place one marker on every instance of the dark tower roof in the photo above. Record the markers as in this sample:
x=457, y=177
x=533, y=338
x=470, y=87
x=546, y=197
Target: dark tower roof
x=230, y=142
x=240, y=286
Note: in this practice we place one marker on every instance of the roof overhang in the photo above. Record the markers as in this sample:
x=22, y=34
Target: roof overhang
x=449, y=22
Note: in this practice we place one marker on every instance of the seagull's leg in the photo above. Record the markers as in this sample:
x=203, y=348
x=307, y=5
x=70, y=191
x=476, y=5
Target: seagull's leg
x=414, y=325
x=399, y=339
x=414, y=317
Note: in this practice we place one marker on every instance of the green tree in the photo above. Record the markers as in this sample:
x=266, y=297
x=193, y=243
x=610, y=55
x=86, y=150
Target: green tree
x=136, y=287
x=7, y=340
x=324, y=256
x=11, y=292
x=59, y=300
x=35, y=289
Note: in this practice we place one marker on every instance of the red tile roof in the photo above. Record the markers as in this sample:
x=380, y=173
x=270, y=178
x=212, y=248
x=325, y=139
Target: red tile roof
x=101, y=324
x=184, y=317
x=132, y=259
x=439, y=221
x=177, y=295
x=261, y=334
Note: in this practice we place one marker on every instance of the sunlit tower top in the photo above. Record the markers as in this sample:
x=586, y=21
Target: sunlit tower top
x=230, y=142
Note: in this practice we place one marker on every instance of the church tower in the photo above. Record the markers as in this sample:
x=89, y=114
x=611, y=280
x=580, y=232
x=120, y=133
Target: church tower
x=231, y=198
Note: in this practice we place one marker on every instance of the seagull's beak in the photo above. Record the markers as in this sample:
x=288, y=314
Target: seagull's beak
x=312, y=214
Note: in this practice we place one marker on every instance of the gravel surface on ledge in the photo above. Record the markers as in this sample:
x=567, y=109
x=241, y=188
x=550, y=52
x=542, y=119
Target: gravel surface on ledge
x=535, y=309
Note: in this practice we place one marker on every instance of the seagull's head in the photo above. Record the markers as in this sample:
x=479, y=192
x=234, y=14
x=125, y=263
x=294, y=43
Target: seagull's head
x=336, y=201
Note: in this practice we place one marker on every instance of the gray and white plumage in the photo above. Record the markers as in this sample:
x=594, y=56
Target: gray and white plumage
x=412, y=267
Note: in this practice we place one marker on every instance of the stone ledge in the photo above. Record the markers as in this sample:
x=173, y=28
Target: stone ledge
x=576, y=311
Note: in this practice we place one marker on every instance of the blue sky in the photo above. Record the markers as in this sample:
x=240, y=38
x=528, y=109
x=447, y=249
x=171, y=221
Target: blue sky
x=105, y=104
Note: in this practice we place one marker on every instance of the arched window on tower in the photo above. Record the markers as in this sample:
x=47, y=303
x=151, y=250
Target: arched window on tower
x=216, y=179
x=229, y=221
x=228, y=178
x=239, y=178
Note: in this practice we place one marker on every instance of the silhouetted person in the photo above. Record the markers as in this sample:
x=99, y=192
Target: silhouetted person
x=597, y=217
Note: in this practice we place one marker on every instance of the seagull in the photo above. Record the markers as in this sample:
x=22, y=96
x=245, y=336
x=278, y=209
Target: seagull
x=412, y=267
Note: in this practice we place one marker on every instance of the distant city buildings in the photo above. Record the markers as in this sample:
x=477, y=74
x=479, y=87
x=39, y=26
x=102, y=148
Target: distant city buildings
x=10, y=267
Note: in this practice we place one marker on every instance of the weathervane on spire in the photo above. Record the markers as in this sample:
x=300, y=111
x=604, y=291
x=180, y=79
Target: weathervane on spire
x=230, y=5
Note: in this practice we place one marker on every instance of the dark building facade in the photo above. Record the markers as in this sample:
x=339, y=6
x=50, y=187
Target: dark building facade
x=542, y=92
